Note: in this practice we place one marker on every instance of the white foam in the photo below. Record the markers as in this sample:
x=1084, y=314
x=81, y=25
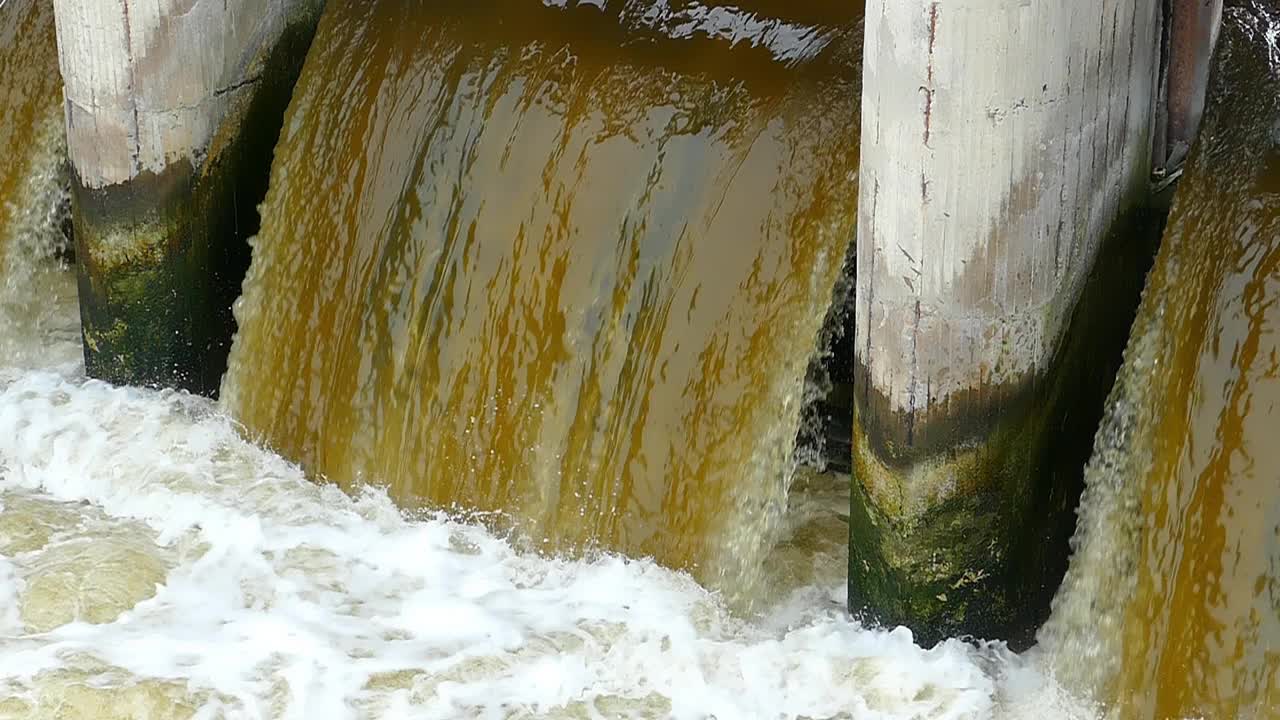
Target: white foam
x=787, y=42
x=291, y=600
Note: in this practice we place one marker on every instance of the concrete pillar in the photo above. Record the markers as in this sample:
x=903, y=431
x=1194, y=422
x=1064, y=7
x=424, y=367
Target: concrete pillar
x=1004, y=145
x=173, y=108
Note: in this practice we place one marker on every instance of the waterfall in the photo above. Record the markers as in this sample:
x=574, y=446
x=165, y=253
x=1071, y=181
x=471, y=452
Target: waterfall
x=1171, y=606
x=34, y=204
x=535, y=296
x=563, y=268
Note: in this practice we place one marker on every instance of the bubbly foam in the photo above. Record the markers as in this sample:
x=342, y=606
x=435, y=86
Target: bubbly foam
x=279, y=598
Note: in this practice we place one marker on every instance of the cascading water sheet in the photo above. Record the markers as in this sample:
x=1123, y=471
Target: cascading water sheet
x=34, y=297
x=551, y=264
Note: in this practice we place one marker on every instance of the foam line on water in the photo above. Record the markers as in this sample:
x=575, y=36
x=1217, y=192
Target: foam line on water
x=292, y=600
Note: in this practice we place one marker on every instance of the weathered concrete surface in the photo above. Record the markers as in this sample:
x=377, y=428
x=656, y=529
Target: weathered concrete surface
x=1003, y=142
x=172, y=108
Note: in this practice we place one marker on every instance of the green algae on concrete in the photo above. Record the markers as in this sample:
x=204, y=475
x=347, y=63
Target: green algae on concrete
x=959, y=525
x=160, y=257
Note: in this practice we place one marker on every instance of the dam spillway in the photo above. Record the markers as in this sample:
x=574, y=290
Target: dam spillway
x=532, y=306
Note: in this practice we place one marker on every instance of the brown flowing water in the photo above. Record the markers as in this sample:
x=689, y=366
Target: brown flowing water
x=567, y=267
x=601, y=176
x=1171, y=607
x=30, y=98
x=633, y=201
x=32, y=177
x=559, y=265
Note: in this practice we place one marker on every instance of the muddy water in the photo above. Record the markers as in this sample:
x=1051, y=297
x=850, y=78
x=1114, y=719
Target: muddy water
x=561, y=266
x=1172, y=604
x=30, y=96
x=155, y=564
x=32, y=178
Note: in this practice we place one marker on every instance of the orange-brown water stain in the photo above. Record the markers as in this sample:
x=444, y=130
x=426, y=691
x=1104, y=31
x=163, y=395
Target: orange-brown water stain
x=1202, y=637
x=523, y=260
x=30, y=94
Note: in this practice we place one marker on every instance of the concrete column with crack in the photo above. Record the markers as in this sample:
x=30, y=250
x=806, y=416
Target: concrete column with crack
x=1006, y=160
x=173, y=108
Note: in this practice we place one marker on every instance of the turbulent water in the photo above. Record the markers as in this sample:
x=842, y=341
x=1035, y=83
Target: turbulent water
x=154, y=564
x=1172, y=604
x=469, y=191
x=558, y=265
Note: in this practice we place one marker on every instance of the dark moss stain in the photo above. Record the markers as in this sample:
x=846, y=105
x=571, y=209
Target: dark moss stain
x=161, y=258
x=986, y=562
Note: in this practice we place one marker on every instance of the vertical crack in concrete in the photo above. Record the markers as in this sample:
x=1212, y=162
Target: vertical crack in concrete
x=915, y=375
x=1058, y=261
x=133, y=88
x=871, y=288
x=1124, y=120
x=928, y=88
x=918, y=267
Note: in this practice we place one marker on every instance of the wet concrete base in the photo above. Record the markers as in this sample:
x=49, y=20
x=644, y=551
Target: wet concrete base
x=161, y=257
x=960, y=522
